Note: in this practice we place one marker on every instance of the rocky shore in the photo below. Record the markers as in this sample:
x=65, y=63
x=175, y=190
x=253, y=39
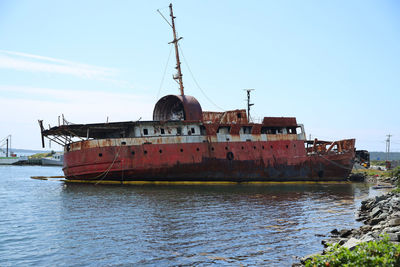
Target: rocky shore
x=380, y=215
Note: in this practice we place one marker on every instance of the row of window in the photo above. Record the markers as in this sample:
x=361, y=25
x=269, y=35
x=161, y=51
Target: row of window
x=178, y=131
x=198, y=149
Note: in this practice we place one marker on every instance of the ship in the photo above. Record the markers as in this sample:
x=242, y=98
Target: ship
x=7, y=157
x=183, y=143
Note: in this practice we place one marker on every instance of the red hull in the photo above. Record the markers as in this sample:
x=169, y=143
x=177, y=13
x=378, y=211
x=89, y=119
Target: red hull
x=223, y=161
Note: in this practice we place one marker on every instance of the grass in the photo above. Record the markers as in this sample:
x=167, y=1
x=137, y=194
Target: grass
x=372, y=172
x=41, y=155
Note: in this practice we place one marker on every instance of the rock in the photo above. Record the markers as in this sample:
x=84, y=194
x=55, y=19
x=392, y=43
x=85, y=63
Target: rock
x=375, y=221
x=394, y=236
x=305, y=258
x=395, y=229
x=365, y=228
x=375, y=211
x=367, y=238
x=377, y=227
x=394, y=222
x=383, y=216
x=352, y=243
x=335, y=232
x=345, y=233
x=395, y=214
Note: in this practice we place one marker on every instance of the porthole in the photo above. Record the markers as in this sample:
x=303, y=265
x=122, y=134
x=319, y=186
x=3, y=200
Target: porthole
x=242, y=147
x=160, y=151
x=162, y=131
x=229, y=156
x=181, y=149
x=145, y=132
x=100, y=154
x=263, y=147
x=254, y=147
x=133, y=152
x=212, y=149
x=294, y=145
x=145, y=152
x=197, y=149
x=287, y=146
x=272, y=147
x=226, y=148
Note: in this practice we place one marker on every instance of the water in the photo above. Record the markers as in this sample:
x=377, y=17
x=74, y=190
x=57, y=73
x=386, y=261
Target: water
x=50, y=223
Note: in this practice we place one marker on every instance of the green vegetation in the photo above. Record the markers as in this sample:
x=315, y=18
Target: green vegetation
x=371, y=254
x=372, y=172
x=396, y=172
x=41, y=155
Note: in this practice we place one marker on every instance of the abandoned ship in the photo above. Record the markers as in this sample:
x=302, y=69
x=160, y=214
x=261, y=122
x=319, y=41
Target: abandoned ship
x=184, y=143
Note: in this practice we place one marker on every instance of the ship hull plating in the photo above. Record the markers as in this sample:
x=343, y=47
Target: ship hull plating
x=284, y=160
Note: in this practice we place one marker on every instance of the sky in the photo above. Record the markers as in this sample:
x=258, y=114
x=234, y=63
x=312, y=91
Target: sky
x=334, y=65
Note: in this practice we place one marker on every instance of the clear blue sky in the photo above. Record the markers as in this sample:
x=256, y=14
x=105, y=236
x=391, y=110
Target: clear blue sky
x=332, y=64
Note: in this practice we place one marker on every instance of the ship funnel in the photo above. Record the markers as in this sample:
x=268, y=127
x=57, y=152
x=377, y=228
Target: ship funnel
x=177, y=107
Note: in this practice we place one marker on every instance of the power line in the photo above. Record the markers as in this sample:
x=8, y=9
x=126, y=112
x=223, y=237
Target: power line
x=198, y=86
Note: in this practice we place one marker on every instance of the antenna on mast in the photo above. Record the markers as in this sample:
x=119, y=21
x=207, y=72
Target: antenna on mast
x=248, y=103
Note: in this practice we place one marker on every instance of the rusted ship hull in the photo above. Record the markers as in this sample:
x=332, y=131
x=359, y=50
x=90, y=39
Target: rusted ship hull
x=234, y=162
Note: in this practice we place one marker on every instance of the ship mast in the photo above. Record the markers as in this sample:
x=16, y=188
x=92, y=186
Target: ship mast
x=177, y=77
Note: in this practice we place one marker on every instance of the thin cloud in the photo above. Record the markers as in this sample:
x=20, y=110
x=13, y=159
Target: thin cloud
x=36, y=63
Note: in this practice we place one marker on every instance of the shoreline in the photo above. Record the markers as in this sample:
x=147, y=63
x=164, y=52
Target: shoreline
x=380, y=216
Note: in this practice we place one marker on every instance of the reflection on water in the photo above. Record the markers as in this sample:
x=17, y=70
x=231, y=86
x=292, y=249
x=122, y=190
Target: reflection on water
x=52, y=223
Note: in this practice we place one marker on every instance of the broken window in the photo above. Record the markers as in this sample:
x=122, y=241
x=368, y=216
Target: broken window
x=162, y=131
x=145, y=132
x=224, y=130
x=246, y=129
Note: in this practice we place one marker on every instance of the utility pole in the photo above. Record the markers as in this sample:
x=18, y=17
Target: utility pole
x=248, y=103
x=7, y=147
x=388, y=147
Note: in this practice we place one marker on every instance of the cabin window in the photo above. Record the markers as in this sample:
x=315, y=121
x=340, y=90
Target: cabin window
x=202, y=130
x=192, y=130
x=224, y=130
x=162, y=131
x=268, y=130
x=145, y=131
x=239, y=115
x=291, y=130
x=179, y=131
x=246, y=129
x=123, y=143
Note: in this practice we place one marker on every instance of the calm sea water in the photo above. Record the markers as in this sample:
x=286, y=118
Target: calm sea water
x=51, y=223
